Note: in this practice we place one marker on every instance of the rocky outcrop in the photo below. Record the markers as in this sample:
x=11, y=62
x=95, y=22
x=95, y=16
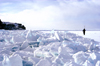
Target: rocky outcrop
x=11, y=26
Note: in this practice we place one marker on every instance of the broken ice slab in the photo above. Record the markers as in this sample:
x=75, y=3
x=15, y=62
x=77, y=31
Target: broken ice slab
x=43, y=62
x=80, y=57
x=6, y=61
x=87, y=63
x=27, y=63
x=32, y=36
x=34, y=43
x=2, y=40
x=98, y=63
x=41, y=54
x=16, y=60
x=29, y=43
x=34, y=60
x=19, y=38
x=1, y=58
x=24, y=45
x=14, y=49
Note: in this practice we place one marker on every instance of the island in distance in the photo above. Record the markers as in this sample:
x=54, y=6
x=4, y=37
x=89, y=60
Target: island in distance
x=11, y=26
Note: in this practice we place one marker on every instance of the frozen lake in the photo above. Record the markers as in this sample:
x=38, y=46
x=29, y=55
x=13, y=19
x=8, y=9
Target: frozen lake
x=89, y=34
x=49, y=48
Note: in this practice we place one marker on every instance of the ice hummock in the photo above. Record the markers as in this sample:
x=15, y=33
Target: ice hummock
x=47, y=48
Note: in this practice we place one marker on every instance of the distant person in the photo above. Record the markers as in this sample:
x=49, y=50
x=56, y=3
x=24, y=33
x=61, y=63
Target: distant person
x=0, y=24
x=84, y=31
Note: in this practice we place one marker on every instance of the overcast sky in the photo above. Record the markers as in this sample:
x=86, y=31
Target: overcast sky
x=52, y=14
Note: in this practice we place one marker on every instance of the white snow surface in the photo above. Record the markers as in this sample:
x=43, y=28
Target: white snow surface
x=47, y=48
x=89, y=34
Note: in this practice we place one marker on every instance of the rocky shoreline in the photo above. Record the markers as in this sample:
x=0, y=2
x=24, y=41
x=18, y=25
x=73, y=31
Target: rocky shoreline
x=11, y=26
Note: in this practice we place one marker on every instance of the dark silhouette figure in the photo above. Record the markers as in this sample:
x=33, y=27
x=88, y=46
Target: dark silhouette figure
x=84, y=31
x=0, y=24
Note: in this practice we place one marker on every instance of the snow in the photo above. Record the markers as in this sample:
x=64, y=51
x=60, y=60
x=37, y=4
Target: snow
x=89, y=34
x=48, y=48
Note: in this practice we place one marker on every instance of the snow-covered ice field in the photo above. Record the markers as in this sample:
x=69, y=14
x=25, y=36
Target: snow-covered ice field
x=89, y=34
x=49, y=48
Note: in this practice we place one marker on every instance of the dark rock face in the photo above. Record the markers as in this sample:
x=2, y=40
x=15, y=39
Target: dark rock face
x=11, y=26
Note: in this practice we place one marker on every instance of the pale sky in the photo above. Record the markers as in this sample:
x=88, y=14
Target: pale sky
x=52, y=14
